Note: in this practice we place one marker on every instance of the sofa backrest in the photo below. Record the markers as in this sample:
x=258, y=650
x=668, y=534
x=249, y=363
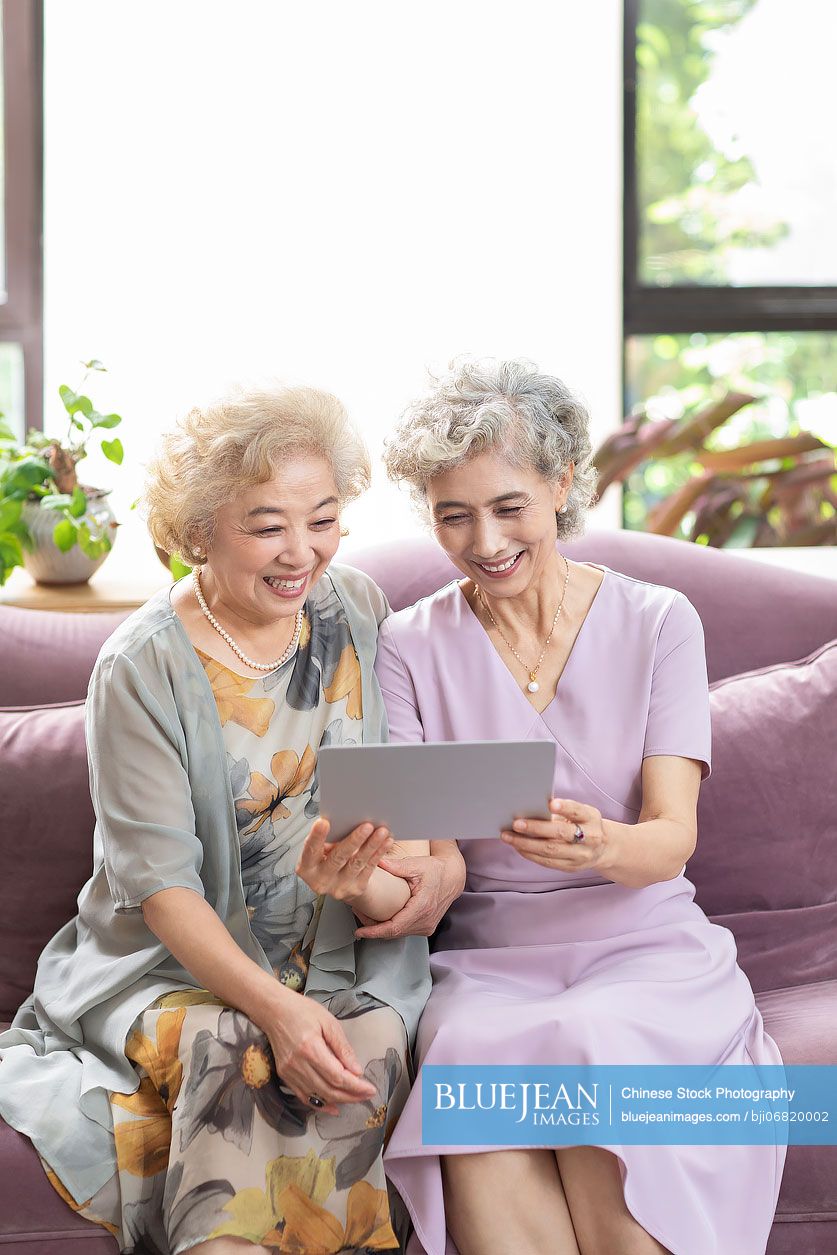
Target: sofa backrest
x=753, y=615
x=47, y=656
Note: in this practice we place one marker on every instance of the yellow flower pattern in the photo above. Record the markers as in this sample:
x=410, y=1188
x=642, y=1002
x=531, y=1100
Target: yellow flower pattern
x=291, y=776
x=233, y=700
x=347, y=683
x=142, y=1145
x=290, y=1212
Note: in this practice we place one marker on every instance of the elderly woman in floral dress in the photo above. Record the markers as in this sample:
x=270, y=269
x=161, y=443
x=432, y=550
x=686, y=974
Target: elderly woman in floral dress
x=210, y=1060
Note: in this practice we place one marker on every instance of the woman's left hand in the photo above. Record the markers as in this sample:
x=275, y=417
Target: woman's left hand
x=549, y=842
x=434, y=883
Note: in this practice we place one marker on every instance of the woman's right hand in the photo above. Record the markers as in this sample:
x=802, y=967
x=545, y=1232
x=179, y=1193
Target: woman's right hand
x=341, y=869
x=312, y=1053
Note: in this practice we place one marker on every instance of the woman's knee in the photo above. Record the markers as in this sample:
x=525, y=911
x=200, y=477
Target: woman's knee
x=592, y=1182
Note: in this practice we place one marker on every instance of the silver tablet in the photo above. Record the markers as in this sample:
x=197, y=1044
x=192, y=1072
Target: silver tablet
x=435, y=791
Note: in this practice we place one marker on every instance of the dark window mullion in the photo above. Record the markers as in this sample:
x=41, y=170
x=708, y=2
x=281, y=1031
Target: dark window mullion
x=21, y=317
x=674, y=309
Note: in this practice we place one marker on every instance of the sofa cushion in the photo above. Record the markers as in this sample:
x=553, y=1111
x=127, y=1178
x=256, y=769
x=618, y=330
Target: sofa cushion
x=801, y=1022
x=767, y=816
x=46, y=838
x=47, y=656
x=34, y=1219
x=781, y=949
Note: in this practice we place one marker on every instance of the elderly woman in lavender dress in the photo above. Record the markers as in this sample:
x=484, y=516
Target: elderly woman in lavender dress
x=577, y=939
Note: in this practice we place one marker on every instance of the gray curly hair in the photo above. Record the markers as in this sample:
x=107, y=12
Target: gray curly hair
x=484, y=405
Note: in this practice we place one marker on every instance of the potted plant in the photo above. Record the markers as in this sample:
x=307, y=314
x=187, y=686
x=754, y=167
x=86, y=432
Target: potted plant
x=60, y=530
x=762, y=493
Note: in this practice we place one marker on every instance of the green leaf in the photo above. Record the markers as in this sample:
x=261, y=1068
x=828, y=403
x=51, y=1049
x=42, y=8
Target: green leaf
x=24, y=475
x=56, y=501
x=178, y=568
x=37, y=440
x=20, y=530
x=64, y=535
x=94, y=364
x=78, y=502
x=86, y=543
x=6, y=432
x=9, y=513
x=11, y=553
x=92, y=546
x=74, y=403
x=113, y=450
x=108, y=420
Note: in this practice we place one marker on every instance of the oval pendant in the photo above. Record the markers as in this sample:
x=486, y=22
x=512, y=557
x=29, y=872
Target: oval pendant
x=533, y=686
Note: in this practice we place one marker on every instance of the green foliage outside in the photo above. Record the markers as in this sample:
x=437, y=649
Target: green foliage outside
x=688, y=217
x=688, y=225
x=792, y=375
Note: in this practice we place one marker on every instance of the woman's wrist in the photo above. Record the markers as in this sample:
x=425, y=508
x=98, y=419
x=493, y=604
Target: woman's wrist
x=643, y=854
x=454, y=870
x=383, y=896
x=264, y=997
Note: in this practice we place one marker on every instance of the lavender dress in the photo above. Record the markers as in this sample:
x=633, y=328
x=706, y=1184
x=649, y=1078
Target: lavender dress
x=533, y=966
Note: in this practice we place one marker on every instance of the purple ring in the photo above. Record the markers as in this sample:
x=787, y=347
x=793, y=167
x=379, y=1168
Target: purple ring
x=578, y=835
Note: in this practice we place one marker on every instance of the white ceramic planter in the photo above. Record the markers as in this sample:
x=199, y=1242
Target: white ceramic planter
x=45, y=562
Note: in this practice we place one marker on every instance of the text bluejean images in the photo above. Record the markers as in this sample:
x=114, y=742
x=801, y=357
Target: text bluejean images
x=629, y=1104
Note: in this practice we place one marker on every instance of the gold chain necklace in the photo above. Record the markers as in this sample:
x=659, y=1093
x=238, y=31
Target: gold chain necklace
x=533, y=685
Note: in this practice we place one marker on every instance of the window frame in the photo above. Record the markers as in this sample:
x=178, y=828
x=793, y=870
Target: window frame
x=21, y=315
x=649, y=310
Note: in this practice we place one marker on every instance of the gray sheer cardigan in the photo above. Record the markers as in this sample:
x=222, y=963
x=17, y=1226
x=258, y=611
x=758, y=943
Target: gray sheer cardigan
x=164, y=818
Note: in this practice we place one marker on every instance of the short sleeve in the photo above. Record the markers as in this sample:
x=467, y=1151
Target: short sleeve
x=397, y=689
x=140, y=788
x=678, y=710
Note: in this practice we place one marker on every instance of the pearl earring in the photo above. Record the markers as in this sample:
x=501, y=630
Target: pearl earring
x=563, y=509
x=195, y=551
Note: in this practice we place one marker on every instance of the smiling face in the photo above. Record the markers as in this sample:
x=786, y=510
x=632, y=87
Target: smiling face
x=496, y=522
x=272, y=543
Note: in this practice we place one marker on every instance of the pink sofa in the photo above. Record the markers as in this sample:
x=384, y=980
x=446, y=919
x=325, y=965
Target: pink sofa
x=765, y=867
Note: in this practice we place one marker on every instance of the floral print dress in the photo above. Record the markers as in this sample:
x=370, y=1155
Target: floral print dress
x=211, y=1143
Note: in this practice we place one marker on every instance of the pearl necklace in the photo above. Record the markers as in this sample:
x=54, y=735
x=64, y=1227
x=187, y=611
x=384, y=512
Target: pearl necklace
x=257, y=666
x=533, y=685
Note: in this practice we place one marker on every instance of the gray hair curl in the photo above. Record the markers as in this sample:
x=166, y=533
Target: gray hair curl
x=483, y=405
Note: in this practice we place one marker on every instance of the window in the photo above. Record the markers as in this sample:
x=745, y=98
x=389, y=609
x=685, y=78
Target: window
x=21, y=352
x=730, y=241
